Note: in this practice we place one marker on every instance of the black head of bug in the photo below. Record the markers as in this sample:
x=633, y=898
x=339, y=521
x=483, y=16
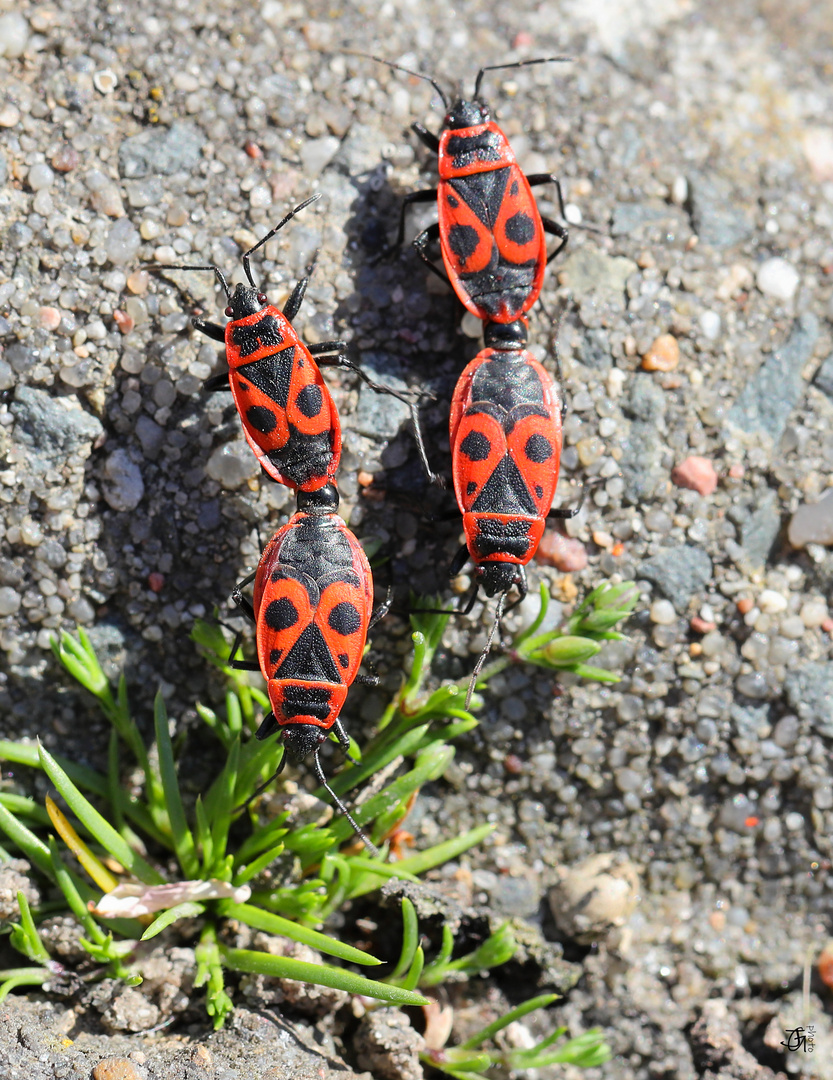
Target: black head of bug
x=499, y=577
x=466, y=114
x=301, y=740
x=245, y=300
x=323, y=500
x=506, y=336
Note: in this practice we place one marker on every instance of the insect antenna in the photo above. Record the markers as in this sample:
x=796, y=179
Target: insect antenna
x=481, y=660
x=210, y=266
x=517, y=63
x=263, y=786
x=339, y=805
x=408, y=71
x=271, y=233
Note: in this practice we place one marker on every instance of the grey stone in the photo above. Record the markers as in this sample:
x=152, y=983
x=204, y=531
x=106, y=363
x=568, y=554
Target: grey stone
x=631, y=217
x=588, y=271
x=758, y=530
x=594, y=350
x=769, y=397
x=380, y=416
x=53, y=427
x=824, y=377
x=642, y=447
x=21, y=357
x=121, y=483
x=161, y=151
x=718, y=220
x=809, y=691
x=679, y=573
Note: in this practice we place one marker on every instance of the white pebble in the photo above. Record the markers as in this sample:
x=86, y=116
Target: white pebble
x=105, y=81
x=710, y=325
x=792, y=627
x=40, y=177
x=662, y=612
x=777, y=278
x=813, y=613
x=679, y=190
x=122, y=243
x=14, y=35
x=471, y=326
x=9, y=600
x=615, y=381
x=232, y=464
x=260, y=196
x=316, y=153
x=572, y=214
x=771, y=602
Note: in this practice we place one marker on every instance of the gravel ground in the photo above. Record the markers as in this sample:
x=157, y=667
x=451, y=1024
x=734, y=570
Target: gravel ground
x=694, y=139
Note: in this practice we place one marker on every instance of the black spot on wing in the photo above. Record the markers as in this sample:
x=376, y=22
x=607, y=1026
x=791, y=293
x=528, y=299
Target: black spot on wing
x=343, y=659
x=539, y=491
x=275, y=657
x=310, y=400
x=471, y=487
x=452, y=201
x=520, y=228
x=514, y=188
x=463, y=241
x=476, y=446
x=281, y=614
x=271, y=374
x=345, y=619
x=261, y=419
x=538, y=448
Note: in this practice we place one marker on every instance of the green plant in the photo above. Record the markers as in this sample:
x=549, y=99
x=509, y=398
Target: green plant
x=468, y=1059
x=218, y=879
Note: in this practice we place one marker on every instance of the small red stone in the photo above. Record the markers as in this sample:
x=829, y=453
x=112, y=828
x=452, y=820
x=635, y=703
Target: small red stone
x=700, y=626
x=827, y=626
x=253, y=150
x=156, y=581
x=745, y=605
x=737, y=472
x=513, y=764
x=696, y=473
x=562, y=552
x=522, y=38
x=617, y=550
x=123, y=321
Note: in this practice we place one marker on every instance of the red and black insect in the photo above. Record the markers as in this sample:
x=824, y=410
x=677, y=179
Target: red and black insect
x=289, y=418
x=312, y=609
x=505, y=432
x=491, y=233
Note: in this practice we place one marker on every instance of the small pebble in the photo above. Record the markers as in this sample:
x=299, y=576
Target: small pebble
x=156, y=581
x=49, y=318
x=817, y=145
x=9, y=600
x=14, y=35
x=122, y=484
x=663, y=355
x=115, y=1069
x=107, y=200
x=40, y=177
x=9, y=115
x=812, y=523
x=138, y=282
x=123, y=321
x=662, y=612
x=771, y=602
x=813, y=614
x=65, y=159
x=777, y=278
x=701, y=626
x=105, y=81
x=710, y=325
x=696, y=473
x=562, y=552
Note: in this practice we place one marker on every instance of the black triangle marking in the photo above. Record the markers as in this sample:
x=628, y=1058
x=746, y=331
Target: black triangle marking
x=310, y=659
x=271, y=374
x=505, y=492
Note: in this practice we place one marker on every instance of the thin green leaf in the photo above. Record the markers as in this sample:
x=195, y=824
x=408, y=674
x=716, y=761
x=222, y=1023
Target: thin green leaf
x=33, y=848
x=445, y=852
x=190, y=909
x=204, y=839
x=182, y=836
x=274, y=924
x=284, y=967
x=13, y=977
x=410, y=939
x=489, y=1032
x=258, y=865
x=101, y=829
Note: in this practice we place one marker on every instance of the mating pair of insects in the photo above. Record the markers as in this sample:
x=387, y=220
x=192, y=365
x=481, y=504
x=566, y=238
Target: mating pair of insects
x=312, y=595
